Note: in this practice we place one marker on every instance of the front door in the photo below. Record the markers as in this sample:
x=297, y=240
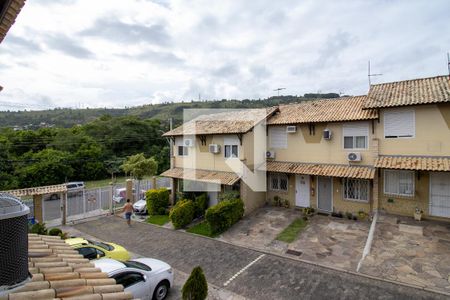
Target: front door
x=213, y=198
x=324, y=194
x=440, y=194
x=302, y=190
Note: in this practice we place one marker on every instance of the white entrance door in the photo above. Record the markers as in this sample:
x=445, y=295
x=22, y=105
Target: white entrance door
x=440, y=194
x=213, y=198
x=302, y=190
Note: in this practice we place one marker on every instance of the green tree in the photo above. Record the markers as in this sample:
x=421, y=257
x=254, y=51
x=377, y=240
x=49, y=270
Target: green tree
x=139, y=166
x=196, y=287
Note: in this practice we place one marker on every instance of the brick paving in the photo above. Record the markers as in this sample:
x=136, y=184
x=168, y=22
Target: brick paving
x=271, y=277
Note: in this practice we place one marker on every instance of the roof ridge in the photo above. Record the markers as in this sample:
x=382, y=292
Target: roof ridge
x=413, y=79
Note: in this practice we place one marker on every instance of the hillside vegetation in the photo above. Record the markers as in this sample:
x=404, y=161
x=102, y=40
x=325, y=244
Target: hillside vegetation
x=66, y=117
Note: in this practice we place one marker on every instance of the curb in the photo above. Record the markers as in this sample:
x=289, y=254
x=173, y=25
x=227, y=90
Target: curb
x=281, y=255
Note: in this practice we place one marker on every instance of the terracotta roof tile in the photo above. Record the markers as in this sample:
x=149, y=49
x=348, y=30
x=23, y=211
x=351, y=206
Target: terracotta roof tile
x=409, y=92
x=326, y=110
x=236, y=121
x=57, y=274
x=333, y=170
x=9, y=15
x=227, y=178
x=429, y=163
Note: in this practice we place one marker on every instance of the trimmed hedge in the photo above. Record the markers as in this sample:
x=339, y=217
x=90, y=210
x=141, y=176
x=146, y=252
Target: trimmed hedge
x=157, y=201
x=55, y=231
x=182, y=213
x=201, y=204
x=224, y=214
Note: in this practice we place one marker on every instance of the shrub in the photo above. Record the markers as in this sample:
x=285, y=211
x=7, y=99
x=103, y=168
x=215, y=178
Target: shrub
x=157, y=201
x=196, y=287
x=182, y=213
x=224, y=214
x=39, y=228
x=228, y=195
x=201, y=204
x=55, y=231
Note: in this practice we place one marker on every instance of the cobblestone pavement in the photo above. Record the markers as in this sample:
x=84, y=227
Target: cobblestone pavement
x=332, y=241
x=260, y=277
x=422, y=260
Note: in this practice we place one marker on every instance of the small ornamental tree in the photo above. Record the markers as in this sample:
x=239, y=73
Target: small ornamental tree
x=196, y=287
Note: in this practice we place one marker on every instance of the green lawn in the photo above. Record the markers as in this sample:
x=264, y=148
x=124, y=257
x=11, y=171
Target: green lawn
x=201, y=228
x=158, y=219
x=290, y=233
x=105, y=182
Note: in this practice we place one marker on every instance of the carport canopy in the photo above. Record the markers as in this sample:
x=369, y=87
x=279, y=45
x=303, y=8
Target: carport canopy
x=41, y=190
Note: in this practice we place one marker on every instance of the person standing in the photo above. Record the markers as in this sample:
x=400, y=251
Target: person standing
x=128, y=210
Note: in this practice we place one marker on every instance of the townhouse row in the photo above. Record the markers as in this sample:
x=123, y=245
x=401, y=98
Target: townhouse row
x=388, y=150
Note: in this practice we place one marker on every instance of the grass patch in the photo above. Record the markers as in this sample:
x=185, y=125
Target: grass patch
x=290, y=233
x=201, y=228
x=158, y=219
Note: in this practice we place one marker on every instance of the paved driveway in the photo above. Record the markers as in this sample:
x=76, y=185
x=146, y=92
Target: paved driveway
x=421, y=259
x=260, y=276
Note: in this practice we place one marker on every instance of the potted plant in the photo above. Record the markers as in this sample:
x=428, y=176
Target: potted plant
x=418, y=214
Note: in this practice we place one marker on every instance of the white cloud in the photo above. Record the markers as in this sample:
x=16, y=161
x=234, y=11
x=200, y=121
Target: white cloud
x=116, y=53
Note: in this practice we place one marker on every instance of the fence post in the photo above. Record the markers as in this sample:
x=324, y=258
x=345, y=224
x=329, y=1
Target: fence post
x=111, y=199
x=63, y=197
x=154, y=186
x=129, y=188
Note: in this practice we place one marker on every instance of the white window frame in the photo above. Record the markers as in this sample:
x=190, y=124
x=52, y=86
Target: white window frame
x=360, y=182
x=410, y=173
x=399, y=111
x=278, y=177
x=354, y=130
x=185, y=151
x=282, y=134
x=230, y=142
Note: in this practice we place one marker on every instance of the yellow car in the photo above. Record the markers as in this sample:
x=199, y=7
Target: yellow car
x=93, y=249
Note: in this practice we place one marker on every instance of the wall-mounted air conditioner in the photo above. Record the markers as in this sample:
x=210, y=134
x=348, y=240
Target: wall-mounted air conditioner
x=291, y=129
x=354, y=156
x=188, y=142
x=270, y=154
x=327, y=134
x=214, y=148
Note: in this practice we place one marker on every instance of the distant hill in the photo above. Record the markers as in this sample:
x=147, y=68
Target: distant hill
x=67, y=117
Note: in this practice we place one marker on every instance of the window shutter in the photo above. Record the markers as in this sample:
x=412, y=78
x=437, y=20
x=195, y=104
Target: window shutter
x=356, y=129
x=278, y=137
x=399, y=123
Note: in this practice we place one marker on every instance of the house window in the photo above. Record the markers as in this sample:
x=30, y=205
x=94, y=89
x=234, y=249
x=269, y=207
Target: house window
x=277, y=137
x=356, y=136
x=279, y=182
x=399, y=183
x=183, y=151
x=231, y=147
x=231, y=151
x=399, y=123
x=356, y=190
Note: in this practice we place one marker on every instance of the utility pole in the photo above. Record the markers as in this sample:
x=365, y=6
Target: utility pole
x=448, y=63
x=172, y=185
x=278, y=90
x=369, y=75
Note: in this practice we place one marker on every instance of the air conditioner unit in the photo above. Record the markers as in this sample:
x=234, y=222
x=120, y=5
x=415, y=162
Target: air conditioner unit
x=270, y=154
x=214, y=148
x=327, y=134
x=291, y=129
x=188, y=142
x=354, y=156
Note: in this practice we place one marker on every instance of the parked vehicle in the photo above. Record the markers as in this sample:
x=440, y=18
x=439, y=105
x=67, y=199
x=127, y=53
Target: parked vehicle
x=77, y=185
x=94, y=249
x=145, y=278
x=140, y=207
x=121, y=194
x=72, y=188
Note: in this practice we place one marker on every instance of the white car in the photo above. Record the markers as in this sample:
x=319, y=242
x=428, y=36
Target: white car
x=145, y=278
x=140, y=207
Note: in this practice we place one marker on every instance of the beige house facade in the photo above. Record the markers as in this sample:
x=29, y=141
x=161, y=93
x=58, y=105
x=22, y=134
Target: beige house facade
x=388, y=150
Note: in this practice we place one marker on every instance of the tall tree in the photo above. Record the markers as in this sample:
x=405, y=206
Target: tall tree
x=139, y=166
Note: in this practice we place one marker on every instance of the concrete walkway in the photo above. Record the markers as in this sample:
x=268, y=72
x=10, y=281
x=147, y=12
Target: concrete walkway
x=253, y=275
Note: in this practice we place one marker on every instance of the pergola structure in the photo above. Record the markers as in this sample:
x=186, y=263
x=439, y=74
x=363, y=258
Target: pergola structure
x=38, y=192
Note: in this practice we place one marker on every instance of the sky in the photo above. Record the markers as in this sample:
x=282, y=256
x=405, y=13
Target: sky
x=115, y=53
